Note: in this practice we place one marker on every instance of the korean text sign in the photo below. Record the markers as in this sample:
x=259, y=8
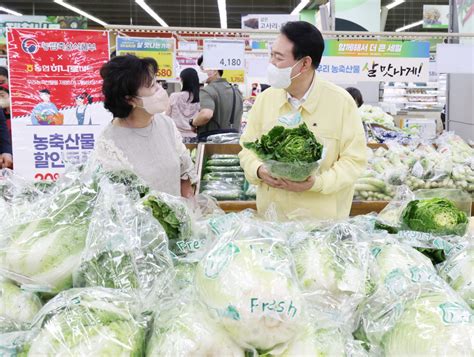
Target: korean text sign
x=359, y=60
x=161, y=49
x=56, y=97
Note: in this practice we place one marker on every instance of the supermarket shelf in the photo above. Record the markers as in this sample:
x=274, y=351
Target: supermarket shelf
x=407, y=87
x=358, y=207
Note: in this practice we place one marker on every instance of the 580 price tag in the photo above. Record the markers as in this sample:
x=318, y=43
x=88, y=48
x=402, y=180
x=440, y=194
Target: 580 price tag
x=224, y=54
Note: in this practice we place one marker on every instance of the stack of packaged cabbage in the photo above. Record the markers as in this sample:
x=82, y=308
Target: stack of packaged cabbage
x=98, y=265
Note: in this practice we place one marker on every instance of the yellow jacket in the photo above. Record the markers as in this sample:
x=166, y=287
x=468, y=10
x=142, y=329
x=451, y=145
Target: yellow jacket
x=331, y=114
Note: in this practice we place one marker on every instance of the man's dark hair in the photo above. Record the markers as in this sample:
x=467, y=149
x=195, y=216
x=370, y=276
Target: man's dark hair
x=306, y=39
x=123, y=76
x=46, y=91
x=3, y=72
x=357, y=95
x=201, y=59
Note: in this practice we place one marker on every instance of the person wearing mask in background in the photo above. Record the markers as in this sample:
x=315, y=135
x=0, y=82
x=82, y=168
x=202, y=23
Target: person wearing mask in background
x=6, y=158
x=357, y=95
x=140, y=138
x=221, y=106
x=5, y=100
x=3, y=76
x=298, y=96
x=184, y=105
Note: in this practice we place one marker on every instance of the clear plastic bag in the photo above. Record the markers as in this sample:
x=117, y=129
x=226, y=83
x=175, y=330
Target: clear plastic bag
x=17, y=307
x=332, y=267
x=86, y=322
x=183, y=328
x=174, y=215
x=126, y=247
x=41, y=251
x=412, y=311
x=247, y=282
x=458, y=270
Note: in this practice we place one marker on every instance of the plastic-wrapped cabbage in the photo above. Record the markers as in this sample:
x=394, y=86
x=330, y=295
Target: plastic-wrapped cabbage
x=88, y=322
x=126, y=247
x=17, y=307
x=427, y=323
x=175, y=217
x=458, y=271
x=397, y=267
x=43, y=252
x=249, y=286
x=333, y=267
x=183, y=328
x=323, y=342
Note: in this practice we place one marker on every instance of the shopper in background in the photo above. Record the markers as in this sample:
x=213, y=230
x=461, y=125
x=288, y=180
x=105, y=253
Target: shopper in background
x=6, y=158
x=140, y=138
x=5, y=100
x=298, y=96
x=184, y=105
x=221, y=106
x=3, y=75
x=357, y=95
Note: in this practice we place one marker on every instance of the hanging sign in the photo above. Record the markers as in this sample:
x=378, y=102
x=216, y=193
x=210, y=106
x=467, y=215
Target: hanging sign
x=224, y=54
x=362, y=61
x=56, y=96
x=266, y=22
x=161, y=49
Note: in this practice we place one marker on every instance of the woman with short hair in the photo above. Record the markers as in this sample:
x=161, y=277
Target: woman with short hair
x=141, y=138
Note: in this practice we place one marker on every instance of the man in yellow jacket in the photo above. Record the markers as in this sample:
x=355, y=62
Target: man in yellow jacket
x=298, y=96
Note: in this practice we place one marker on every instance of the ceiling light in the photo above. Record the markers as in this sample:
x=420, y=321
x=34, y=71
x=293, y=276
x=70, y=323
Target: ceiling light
x=80, y=12
x=221, y=4
x=394, y=4
x=300, y=7
x=415, y=24
x=150, y=12
x=4, y=9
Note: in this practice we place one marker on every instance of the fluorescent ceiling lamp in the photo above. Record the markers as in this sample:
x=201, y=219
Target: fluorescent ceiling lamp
x=150, y=12
x=80, y=12
x=394, y=4
x=300, y=7
x=409, y=26
x=8, y=11
x=221, y=4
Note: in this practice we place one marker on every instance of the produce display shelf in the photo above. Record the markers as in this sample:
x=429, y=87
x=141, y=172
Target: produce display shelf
x=358, y=207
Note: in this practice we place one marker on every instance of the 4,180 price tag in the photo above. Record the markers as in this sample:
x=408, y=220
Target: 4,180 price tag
x=224, y=54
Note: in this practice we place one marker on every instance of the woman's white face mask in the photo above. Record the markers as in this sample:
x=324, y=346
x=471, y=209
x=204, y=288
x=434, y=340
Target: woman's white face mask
x=156, y=103
x=280, y=77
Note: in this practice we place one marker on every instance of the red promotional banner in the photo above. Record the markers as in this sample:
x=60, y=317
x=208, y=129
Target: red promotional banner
x=57, y=104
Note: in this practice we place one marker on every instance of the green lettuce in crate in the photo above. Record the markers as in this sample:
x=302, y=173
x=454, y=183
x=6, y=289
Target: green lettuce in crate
x=289, y=153
x=435, y=215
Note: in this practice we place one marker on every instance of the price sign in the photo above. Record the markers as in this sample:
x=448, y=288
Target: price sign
x=161, y=49
x=224, y=54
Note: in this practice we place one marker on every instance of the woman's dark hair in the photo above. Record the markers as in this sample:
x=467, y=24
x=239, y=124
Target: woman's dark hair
x=357, y=95
x=190, y=80
x=201, y=60
x=3, y=72
x=306, y=39
x=123, y=76
x=86, y=96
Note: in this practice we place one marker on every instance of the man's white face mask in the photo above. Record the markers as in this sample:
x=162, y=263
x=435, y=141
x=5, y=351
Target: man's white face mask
x=280, y=77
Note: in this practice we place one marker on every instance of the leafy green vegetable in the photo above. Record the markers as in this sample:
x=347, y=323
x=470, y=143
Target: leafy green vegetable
x=109, y=269
x=87, y=322
x=46, y=251
x=130, y=180
x=296, y=146
x=185, y=329
x=249, y=287
x=433, y=324
x=17, y=307
x=436, y=215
